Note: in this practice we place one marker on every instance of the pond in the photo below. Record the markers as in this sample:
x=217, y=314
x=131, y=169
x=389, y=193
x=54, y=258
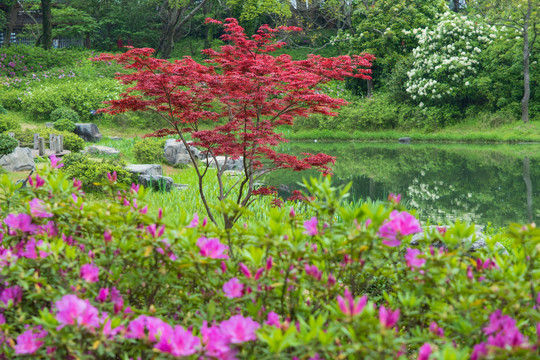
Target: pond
x=495, y=184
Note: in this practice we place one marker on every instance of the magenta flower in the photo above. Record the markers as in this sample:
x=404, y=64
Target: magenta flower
x=348, y=306
x=424, y=352
x=103, y=294
x=107, y=236
x=311, y=226
x=313, y=271
x=90, y=273
x=503, y=332
x=216, y=343
x=436, y=329
x=156, y=327
x=195, y=222
x=39, y=182
x=107, y=330
x=74, y=311
x=112, y=178
x=154, y=231
x=387, y=318
x=413, y=261
x=233, y=288
x=13, y=294
x=273, y=319
x=393, y=198
x=28, y=342
x=39, y=209
x=180, y=342
x=22, y=222
x=240, y=329
x=54, y=162
x=212, y=248
x=400, y=224
x=479, y=351
x=245, y=270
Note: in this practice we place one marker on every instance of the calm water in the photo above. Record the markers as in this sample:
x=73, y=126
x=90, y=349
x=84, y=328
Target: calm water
x=481, y=184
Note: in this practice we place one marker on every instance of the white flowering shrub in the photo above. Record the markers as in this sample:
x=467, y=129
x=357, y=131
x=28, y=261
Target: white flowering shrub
x=446, y=60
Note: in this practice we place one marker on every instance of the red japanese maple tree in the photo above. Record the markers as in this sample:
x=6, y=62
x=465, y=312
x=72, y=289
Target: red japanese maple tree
x=249, y=91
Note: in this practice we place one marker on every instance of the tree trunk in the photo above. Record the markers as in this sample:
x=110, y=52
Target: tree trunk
x=47, y=23
x=369, y=88
x=456, y=5
x=528, y=187
x=526, y=70
x=11, y=14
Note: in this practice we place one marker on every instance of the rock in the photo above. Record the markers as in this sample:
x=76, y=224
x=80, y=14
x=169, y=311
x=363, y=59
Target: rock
x=145, y=169
x=156, y=182
x=176, y=153
x=88, y=132
x=103, y=150
x=404, y=140
x=115, y=138
x=233, y=165
x=476, y=241
x=181, y=186
x=49, y=124
x=19, y=160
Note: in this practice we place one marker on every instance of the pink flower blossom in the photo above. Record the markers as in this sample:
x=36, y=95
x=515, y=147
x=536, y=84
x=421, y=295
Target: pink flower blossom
x=233, y=288
x=239, y=329
x=102, y=295
x=39, y=209
x=11, y=294
x=436, y=329
x=311, y=226
x=269, y=263
x=39, y=182
x=28, y=342
x=22, y=222
x=74, y=311
x=107, y=236
x=479, y=351
x=349, y=306
x=112, y=177
x=156, y=327
x=393, y=198
x=180, y=342
x=89, y=273
x=292, y=213
x=400, y=224
x=424, y=352
x=212, y=248
x=216, y=343
x=245, y=270
x=503, y=332
x=107, y=330
x=387, y=317
x=413, y=261
x=153, y=230
x=313, y=271
x=195, y=222
x=273, y=319
x=54, y=162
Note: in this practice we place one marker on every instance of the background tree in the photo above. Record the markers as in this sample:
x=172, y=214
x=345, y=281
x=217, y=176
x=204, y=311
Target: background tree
x=47, y=37
x=8, y=18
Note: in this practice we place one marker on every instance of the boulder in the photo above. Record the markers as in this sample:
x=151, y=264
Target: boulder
x=176, y=153
x=145, y=169
x=231, y=165
x=115, y=138
x=102, y=150
x=19, y=160
x=88, y=132
x=49, y=124
x=156, y=182
x=404, y=140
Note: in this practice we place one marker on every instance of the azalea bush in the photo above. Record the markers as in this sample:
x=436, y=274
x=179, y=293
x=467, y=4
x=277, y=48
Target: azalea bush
x=110, y=279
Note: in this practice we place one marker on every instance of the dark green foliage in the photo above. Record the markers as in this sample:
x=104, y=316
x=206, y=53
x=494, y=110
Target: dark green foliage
x=7, y=144
x=149, y=151
x=65, y=113
x=92, y=172
x=3, y=111
x=64, y=125
x=72, y=142
x=7, y=123
x=36, y=59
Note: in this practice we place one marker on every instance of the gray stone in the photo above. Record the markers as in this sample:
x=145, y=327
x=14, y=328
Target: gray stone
x=181, y=186
x=145, y=169
x=233, y=165
x=404, y=140
x=103, y=150
x=176, y=153
x=49, y=124
x=115, y=138
x=156, y=182
x=19, y=160
x=88, y=132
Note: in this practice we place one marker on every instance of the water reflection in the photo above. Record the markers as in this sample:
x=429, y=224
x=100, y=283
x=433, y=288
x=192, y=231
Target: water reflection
x=480, y=184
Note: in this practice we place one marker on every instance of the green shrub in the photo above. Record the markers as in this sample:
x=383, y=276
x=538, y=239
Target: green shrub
x=64, y=113
x=11, y=99
x=3, y=110
x=72, y=142
x=64, y=125
x=8, y=123
x=7, y=144
x=92, y=172
x=149, y=151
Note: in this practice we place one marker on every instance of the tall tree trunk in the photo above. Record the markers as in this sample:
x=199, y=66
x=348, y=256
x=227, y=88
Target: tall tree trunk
x=526, y=70
x=456, y=5
x=528, y=187
x=11, y=14
x=47, y=23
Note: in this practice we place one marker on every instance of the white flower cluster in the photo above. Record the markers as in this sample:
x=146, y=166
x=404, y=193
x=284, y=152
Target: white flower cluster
x=447, y=56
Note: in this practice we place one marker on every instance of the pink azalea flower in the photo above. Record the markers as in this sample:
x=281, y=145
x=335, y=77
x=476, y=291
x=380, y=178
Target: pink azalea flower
x=245, y=270
x=39, y=209
x=54, y=162
x=273, y=319
x=393, y=198
x=107, y=330
x=292, y=213
x=479, y=351
x=424, y=352
x=400, y=224
x=28, y=342
x=156, y=327
x=74, y=311
x=313, y=271
x=90, y=273
x=348, y=306
x=102, y=295
x=311, y=226
x=107, y=236
x=195, y=222
x=22, y=222
x=180, y=342
x=233, y=288
x=436, y=329
x=39, y=182
x=239, y=329
x=112, y=178
x=212, y=248
x=503, y=332
x=216, y=343
x=153, y=230
x=77, y=184
x=387, y=318
x=413, y=261
x=13, y=294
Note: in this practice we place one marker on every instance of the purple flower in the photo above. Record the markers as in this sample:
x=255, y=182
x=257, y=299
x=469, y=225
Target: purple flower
x=28, y=342
x=349, y=306
x=400, y=224
x=22, y=222
x=436, y=329
x=74, y=311
x=424, y=352
x=90, y=273
x=313, y=271
x=413, y=261
x=239, y=329
x=387, y=318
x=13, y=294
x=195, y=222
x=212, y=248
x=54, y=162
x=39, y=209
x=273, y=319
x=179, y=342
x=102, y=295
x=216, y=343
x=233, y=288
x=153, y=230
x=311, y=226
